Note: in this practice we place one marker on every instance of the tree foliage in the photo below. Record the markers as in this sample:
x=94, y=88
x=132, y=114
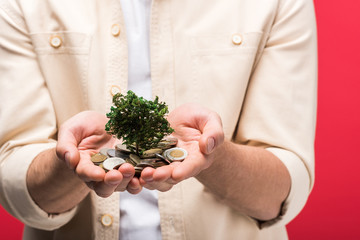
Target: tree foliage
x=140, y=123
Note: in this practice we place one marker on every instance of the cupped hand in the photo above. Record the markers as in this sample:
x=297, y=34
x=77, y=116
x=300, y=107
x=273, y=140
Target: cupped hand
x=199, y=131
x=79, y=138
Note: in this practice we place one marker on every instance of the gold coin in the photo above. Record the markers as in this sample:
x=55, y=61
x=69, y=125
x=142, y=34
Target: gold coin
x=98, y=158
x=176, y=153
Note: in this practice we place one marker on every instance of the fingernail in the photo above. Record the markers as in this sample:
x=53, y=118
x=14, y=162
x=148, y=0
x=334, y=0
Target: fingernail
x=210, y=145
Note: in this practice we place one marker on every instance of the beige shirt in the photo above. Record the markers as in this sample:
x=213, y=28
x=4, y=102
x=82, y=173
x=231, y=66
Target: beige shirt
x=252, y=61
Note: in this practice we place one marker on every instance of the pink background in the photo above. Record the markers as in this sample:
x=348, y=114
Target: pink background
x=333, y=207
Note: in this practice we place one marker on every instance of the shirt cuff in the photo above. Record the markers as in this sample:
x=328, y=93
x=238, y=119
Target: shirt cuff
x=15, y=193
x=299, y=192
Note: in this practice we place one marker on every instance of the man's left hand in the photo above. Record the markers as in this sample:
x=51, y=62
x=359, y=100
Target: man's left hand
x=199, y=132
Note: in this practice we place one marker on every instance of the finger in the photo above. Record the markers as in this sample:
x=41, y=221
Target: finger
x=212, y=134
x=106, y=188
x=113, y=177
x=134, y=186
x=171, y=180
x=148, y=186
x=158, y=175
x=163, y=173
x=190, y=167
x=150, y=175
x=157, y=179
x=87, y=171
x=147, y=176
x=162, y=187
x=127, y=171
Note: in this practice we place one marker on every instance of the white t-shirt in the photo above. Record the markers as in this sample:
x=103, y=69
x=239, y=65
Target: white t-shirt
x=137, y=20
x=139, y=214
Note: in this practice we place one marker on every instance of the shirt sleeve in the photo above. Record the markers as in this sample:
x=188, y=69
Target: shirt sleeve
x=27, y=120
x=279, y=111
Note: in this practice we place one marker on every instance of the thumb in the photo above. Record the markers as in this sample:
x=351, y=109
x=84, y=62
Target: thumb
x=66, y=148
x=73, y=131
x=212, y=135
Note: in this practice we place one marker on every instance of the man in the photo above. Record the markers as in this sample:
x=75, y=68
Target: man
x=249, y=69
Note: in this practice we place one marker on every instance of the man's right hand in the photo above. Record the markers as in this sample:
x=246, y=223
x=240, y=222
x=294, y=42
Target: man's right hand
x=79, y=138
x=58, y=187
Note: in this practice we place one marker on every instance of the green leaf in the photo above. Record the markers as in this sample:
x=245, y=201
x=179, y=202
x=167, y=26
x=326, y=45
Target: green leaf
x=139, y=122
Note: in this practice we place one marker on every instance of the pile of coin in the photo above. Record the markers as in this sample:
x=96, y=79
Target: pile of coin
x=165, y=153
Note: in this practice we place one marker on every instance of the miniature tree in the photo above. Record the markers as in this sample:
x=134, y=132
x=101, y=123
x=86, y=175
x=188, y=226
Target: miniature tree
x=139, y=122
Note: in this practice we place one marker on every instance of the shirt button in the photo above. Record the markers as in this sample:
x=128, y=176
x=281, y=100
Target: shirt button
x=115, y=30
x=106, y=220
x=237, y=39
x=114, y=90
x=55, y=41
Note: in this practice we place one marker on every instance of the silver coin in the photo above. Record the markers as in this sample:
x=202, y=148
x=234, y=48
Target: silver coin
x=138, y=171
x=111, y=152
x=135, y=158
x=163, y=158
x=121, y=154
x=175, y=154
x=165, y=145
x=160, y=164
x=113, y=163
x=103, y=151
x=138, y=168
x=171, y=140
x=128, y=160
x=149, y=160
x=144, y=165
x=168, y=142
x=122, y=148
x=151, y=153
